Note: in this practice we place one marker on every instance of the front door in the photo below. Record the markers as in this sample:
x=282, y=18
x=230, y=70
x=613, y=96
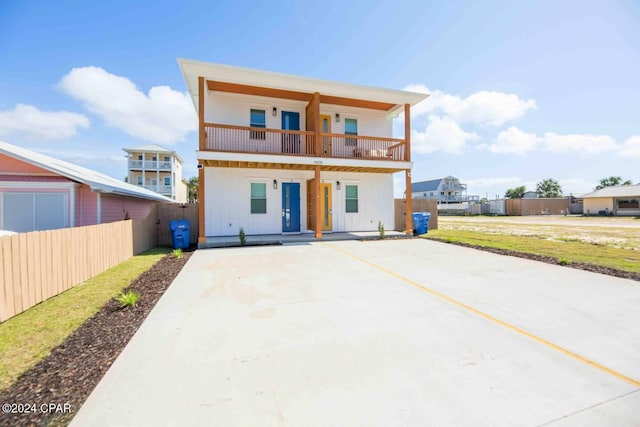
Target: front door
x=325, y=125
x=290, y=207
x=325, y=207
x=290, y=142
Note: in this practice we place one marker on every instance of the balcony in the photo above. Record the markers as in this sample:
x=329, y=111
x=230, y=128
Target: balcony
x=162, y=189
x=149, y=165
x=242, y=139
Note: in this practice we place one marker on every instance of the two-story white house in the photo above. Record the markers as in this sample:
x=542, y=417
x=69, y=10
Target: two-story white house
x=158, y=169
x=445, y=190
x=287, y=154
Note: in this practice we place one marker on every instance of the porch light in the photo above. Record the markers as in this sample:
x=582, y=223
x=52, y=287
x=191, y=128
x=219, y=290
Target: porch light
x=337, y=185
x=337, y=117
x=275, y=183
x=274, y=112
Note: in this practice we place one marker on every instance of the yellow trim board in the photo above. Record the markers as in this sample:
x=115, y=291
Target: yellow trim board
x=489, y=317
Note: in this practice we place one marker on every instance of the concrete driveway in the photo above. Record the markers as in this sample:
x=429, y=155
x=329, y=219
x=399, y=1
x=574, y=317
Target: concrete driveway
x=404, y=332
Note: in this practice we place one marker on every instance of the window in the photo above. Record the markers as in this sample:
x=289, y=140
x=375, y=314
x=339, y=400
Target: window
x=351, y=192
x=628, y=204
x=139, y=156
x=139, y=180
x=350, y=128
x=167, y=159
x=167, y=181
x=258, y=119
x=258, y=198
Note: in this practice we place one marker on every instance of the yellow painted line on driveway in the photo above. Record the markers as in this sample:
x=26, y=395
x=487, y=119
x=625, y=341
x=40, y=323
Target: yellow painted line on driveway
x=491, y=318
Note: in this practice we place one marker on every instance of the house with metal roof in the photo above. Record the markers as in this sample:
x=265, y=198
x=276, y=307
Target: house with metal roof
x=619, y=200
x=39, y=192
x=158, y=169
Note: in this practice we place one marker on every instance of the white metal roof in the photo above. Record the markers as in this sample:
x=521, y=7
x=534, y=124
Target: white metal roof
x=97, y=181
x=615, y=191
x=191, y=70
x=152, y=148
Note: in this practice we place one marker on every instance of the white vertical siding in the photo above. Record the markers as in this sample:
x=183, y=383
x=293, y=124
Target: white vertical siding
x=228, y=195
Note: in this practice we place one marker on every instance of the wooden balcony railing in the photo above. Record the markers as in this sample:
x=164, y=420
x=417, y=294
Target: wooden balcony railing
x=302, y=143
x=259, y=140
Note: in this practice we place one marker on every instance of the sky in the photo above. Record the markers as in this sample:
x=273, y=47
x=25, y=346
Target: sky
x=519, y=91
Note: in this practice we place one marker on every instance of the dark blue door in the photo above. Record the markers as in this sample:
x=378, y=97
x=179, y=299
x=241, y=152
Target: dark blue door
x=290, y=207
x=290, y=141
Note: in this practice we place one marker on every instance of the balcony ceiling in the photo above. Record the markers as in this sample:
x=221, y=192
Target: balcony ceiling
x=295, y=95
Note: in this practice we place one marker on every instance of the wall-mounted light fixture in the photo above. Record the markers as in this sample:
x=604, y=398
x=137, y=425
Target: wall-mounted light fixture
x=274, y=112
x=337, y=117
x=337, y=185
x=275, y=184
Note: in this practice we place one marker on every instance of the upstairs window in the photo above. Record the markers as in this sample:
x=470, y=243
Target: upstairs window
x=258, y=198
x=258, y=119
x=167, y=181
x=351, y=192
x=350, y=128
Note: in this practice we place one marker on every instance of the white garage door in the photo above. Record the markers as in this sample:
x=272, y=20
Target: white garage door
x=22, y=212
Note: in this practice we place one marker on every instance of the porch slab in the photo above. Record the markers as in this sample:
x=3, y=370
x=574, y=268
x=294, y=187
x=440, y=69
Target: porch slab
x=280, y=239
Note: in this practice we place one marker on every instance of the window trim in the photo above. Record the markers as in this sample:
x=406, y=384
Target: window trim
x=348, y=199
x=350, y=142
x=257, y=134
x=252, y=198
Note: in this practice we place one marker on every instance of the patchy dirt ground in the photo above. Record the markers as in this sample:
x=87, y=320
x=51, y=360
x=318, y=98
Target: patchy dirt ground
x=73, y=369
x=617, y=232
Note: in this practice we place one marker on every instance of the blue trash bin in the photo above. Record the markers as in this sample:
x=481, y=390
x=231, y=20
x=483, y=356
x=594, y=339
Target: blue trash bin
x=179, y=233
x=419, y=226
x=427, y=217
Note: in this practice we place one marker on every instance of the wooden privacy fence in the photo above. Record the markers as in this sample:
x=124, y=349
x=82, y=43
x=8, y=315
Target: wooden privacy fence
x=417, y=205
x=38, y=265
x=525, y=207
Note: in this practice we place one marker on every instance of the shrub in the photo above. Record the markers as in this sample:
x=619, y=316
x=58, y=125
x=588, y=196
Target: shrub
x=381, y=229
x=242, y=237
x=563, y=261
x=127, y=299
x=177, y=253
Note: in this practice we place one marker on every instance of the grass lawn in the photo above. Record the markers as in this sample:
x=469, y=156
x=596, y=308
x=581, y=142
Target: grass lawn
x=571, y=251
x=30, y=336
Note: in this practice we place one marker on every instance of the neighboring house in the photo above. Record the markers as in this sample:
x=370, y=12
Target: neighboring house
x=157, y=169
x=530, y=195
x=39, y=192
x=620, y=200
x=287, y=154
x=444, y=190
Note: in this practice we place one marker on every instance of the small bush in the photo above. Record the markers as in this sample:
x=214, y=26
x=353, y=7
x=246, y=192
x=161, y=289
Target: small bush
x=127, y=299
x=177, y=253
x=381, y=229
x=563, y=261
x=242, y=237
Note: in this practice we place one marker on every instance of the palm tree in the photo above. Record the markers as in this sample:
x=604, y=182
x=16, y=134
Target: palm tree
x=612, y=181
x=193, y=189
x=549, y=188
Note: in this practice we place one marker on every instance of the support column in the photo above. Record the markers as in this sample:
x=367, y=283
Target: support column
x=408, y=221
x=201, y=231
x=316, y=183
x=201, y=146
x=407, y=149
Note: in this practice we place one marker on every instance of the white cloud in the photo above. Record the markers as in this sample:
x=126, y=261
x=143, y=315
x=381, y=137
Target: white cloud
x=484, y=107
x=513, y=141
x=509, y=181
x=589, y=144
x=576, y=186
x=631, y=147
x=442, y=134
x=163, y=116
x=29, y=122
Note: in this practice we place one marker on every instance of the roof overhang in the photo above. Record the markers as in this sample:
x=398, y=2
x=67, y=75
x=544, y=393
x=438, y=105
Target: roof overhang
x=226, y=78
